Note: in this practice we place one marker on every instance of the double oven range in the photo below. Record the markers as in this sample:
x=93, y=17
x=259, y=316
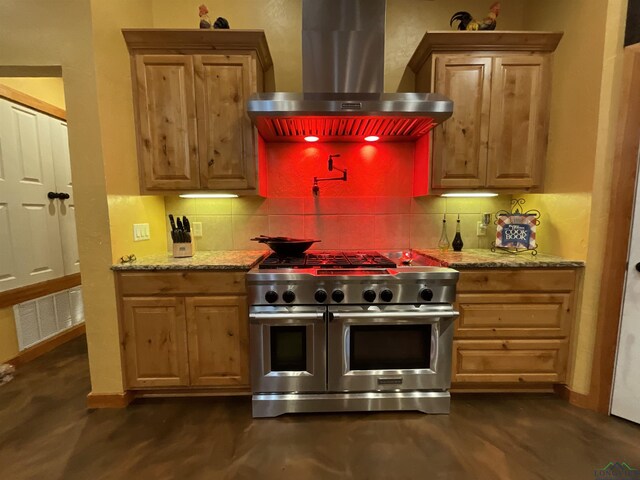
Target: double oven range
x=334, y=331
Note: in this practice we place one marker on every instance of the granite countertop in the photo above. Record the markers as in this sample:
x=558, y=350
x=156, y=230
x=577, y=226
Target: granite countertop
x=480, y=258
x=213, y=260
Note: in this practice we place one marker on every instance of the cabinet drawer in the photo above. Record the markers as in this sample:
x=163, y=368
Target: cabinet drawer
x=509, y=361
x=181, y=282
x=513, y=315
x=517, y=280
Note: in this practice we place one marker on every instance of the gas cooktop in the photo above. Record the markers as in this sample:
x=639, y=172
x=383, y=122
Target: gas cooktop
x=329, y=259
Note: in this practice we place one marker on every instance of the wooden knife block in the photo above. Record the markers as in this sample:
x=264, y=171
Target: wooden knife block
x=183, y=250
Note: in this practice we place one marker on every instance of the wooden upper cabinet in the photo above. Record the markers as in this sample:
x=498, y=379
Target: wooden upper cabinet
x=518, y=128
x=227, y=139
x=167, y=133
x=500, y=85
x=460, y=144
x=190, y=91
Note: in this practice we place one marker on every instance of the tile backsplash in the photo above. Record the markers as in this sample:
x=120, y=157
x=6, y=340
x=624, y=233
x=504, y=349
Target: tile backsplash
x=383, y=223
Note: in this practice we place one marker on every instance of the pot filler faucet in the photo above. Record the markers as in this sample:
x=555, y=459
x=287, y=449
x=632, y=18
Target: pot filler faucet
x=331, y=167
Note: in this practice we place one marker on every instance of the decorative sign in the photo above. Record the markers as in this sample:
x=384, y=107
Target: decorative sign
x=516, y=229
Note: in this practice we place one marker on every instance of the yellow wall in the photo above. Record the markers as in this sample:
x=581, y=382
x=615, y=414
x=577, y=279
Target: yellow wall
x=584, y=108
x=8, y=335
x=115, y=102
x=47, y=89
x=407, y=21
x=564, y=224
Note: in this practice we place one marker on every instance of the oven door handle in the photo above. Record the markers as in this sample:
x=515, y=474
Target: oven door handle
x=276, y=317
x=401, y=315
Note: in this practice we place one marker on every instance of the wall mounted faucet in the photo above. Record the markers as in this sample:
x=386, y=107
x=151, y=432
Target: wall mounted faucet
x=331, y=167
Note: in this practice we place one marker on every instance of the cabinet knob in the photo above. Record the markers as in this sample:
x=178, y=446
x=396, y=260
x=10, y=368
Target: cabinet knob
x=638, y=267
x=211, y=162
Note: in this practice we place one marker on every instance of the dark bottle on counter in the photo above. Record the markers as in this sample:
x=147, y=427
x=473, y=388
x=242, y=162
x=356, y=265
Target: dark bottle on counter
x=457, y=243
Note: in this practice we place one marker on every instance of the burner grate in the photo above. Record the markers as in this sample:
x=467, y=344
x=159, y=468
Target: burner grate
x=322, y=260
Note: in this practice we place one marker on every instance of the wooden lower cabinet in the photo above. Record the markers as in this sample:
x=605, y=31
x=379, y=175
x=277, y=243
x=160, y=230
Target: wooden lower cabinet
x=155, y=342
x=192, y=333
x=509, y=361
x=514, y=327
x=218, y=339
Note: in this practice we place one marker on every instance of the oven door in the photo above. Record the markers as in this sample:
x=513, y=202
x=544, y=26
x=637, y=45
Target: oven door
x=288, y=349
x=400, y=347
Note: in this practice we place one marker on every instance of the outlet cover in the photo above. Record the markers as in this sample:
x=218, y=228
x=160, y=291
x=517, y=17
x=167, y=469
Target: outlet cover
x=141, y=232
x=481, y=230
x=197, y=229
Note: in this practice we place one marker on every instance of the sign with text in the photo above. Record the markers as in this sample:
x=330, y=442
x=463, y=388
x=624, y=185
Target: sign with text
x=516, y=231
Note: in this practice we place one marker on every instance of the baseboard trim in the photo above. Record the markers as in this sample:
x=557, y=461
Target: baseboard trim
x=32, y=102
x=574, y=398
x=109, y=400
x=190, y=392
x=37, y=290
x=47, y=345
x=464, y=387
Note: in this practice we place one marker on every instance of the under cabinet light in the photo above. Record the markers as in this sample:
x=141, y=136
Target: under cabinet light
x=311, y=138
x=208, y=195
x=469, y=195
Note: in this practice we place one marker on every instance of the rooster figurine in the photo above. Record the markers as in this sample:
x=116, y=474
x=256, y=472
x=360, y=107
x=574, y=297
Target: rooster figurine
x=467, y=22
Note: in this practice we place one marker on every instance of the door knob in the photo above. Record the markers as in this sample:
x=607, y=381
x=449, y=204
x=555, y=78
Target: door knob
x=58, y=195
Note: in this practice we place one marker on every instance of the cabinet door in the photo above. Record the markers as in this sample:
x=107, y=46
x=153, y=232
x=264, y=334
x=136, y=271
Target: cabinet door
x=218, y=332
x=167, y=134
x=29, y=230
x=460, y=143
x=227, y=139
x=66, y=208
x=518, y=128
x=154, y=342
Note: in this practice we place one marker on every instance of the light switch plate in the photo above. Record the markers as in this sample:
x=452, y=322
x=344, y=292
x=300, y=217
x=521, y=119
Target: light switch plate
x=197, y=229
x=141, y=232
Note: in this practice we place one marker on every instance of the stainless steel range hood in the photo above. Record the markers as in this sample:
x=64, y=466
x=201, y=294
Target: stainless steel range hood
x=343, y=81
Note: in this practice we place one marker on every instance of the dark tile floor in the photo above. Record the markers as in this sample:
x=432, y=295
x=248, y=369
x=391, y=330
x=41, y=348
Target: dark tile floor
x=46, y=433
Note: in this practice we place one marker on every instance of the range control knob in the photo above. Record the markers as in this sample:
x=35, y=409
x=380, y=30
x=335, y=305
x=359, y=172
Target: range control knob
x=271, y=296
x=426, y=294
x=369, y=295
x=321, y=296
x=337, y=296
x=386, y=295
x=288, y=296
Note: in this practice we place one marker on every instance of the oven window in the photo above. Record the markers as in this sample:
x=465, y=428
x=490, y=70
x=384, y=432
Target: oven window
x=389, y=347
x=289, y=349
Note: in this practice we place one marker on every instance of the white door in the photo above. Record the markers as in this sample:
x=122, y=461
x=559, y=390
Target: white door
x=625, y=401
x=28, y=176
x=66, y=208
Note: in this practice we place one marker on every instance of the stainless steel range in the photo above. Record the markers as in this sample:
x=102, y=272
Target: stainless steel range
x=334, y=331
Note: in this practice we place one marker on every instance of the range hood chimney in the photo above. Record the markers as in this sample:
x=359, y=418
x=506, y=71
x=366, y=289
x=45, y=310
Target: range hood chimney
x=343, y=82
x=343, y=46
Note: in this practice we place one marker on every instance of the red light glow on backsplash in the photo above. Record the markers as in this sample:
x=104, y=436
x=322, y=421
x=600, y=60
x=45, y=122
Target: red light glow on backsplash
x=374, y=170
